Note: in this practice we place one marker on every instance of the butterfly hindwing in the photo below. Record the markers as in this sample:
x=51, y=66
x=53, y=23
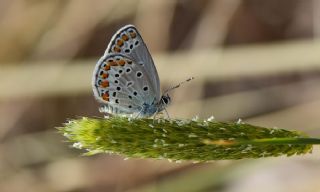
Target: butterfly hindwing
x=122, y=84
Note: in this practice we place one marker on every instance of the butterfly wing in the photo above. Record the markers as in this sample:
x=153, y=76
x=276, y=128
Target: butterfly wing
x=128, y=41
x=120, y=83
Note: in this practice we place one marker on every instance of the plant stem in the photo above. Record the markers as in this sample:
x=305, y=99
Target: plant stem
x=267, y=141
x=281, y=141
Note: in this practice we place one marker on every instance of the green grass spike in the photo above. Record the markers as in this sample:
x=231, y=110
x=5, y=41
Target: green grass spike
x=177, y=140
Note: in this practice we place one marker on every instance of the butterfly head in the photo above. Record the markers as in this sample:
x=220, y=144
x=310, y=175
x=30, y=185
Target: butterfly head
x=164, y=101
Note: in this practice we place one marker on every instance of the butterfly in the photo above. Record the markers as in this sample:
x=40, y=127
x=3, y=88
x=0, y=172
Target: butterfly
x=125, y=79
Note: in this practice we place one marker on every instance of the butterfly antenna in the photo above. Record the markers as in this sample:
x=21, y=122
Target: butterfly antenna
x=176, y=86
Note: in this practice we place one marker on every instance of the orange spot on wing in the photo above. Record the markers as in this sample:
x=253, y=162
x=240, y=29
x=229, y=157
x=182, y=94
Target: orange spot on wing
x=121, y=62
x=125, y=37
x=116, y=49
x=112, y=63
x=133, y=34
x=107, y=67
x=105, y=75
x=105, y=84
x=120, y=42
x=105, y=96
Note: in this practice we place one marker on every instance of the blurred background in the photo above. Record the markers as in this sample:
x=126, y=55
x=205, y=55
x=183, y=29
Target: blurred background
x=258, y=60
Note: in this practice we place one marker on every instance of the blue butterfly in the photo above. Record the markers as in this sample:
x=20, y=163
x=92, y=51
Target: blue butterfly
x=125, y=78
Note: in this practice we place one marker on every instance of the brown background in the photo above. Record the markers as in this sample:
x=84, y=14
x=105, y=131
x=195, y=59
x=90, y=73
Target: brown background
x=258, y=60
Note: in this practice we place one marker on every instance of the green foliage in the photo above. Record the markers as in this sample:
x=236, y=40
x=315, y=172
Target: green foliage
x=183, y=139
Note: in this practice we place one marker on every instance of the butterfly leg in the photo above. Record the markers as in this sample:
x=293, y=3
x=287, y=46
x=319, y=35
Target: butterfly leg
x=155, y=115
x=157, y=112
x=138, y=114
x=167, y=113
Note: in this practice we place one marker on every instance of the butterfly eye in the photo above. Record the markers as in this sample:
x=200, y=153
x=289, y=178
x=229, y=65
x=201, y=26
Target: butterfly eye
x=165, y=99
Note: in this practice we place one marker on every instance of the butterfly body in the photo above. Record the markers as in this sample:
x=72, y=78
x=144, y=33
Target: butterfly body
x=125, y=79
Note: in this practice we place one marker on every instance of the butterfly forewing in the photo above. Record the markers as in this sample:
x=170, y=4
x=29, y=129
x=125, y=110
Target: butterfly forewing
x=125, y=79
x=129, y=42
